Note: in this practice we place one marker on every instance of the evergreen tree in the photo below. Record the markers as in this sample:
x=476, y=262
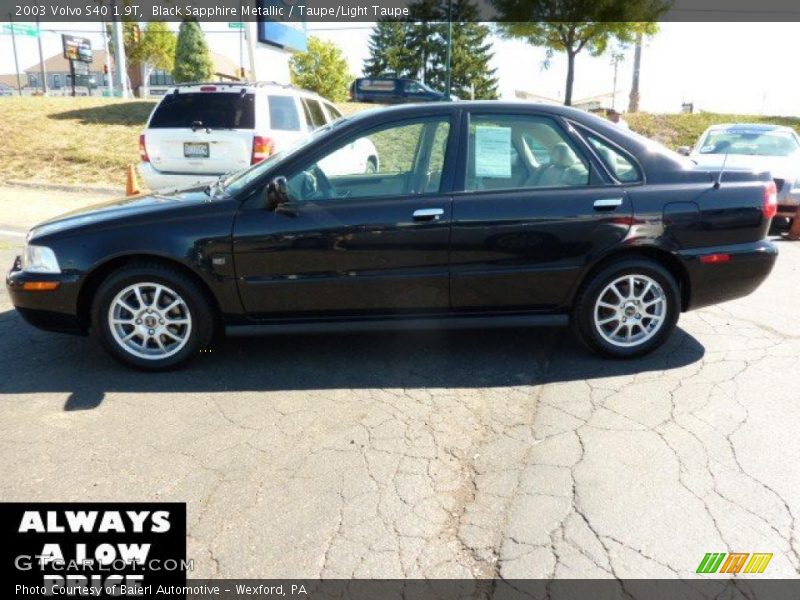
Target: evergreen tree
x=471, y=54
x=192, y=58
x=419, y=50
x=388, y=52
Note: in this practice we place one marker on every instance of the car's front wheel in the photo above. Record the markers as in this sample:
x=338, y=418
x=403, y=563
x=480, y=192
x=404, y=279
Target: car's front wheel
x=627, y=309
x=152, y=317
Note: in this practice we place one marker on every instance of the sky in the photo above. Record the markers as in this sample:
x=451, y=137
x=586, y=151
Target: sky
x=721, y=67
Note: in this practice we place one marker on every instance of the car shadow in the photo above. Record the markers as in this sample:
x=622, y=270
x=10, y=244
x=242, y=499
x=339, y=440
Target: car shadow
x=35, y=362
x=118, y=113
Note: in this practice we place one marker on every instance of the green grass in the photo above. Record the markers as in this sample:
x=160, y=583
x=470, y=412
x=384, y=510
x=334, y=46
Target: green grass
x=684, y=130
x=86, y=141
x=91, y=141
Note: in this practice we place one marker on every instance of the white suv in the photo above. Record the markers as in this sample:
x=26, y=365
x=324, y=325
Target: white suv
x=200, y=131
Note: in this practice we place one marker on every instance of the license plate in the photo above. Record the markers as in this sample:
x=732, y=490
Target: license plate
x=195, y=149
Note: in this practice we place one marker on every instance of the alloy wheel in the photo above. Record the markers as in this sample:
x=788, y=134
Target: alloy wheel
x=630, y=310
x=150, y=321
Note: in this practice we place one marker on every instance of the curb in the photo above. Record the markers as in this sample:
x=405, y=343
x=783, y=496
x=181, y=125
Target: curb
x=63, y=187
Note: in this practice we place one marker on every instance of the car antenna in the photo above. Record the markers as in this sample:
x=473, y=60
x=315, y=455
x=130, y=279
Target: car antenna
x=718, y=180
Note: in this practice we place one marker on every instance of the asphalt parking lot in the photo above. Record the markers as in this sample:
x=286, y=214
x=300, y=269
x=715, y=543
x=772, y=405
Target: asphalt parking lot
x=511, y=453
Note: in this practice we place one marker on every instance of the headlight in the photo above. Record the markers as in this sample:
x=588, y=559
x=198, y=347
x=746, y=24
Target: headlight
x=39, y=259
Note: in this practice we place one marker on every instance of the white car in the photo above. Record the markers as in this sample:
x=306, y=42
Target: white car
x=756, y=147
x=198, y=132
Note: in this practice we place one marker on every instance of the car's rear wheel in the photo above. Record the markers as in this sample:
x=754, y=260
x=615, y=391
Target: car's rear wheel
x=627, y=309
x=152, y=317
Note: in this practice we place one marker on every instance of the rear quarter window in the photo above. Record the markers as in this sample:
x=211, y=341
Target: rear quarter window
x=283, y=114
x=214, y=110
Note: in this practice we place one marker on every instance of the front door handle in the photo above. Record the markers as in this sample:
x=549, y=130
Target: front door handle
x=428, y=214
x=607, y=203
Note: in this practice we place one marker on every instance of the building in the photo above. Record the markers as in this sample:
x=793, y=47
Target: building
x=8, y=84
x=160, y=80
x=58, y=75
x=59, y=81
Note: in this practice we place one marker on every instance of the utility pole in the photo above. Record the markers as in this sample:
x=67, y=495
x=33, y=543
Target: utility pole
x=42, y=70
x=448, y=76
x=633, y=105
x=14, y=46
x=121, y=74
x=616, y=58
x=241, y=44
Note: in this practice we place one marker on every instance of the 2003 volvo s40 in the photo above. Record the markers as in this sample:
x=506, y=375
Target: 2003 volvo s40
x=477, y=214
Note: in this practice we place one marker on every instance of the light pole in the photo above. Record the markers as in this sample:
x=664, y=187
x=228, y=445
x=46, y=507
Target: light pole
x=448, y=77
x=14, y=46
x=42, y=71
x=616, y=58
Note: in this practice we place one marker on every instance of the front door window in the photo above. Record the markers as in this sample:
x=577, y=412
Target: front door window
x=396, y=160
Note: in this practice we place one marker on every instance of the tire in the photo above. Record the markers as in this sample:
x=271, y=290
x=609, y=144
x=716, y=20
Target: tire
x=152, y=336
x=599, y=310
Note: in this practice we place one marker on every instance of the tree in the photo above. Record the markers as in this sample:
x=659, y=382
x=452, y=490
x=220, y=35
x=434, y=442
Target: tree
x=156, y=49
x=572, y=26
x=322, y=69
x=418, y=50
x=471, y=54
x=192, y=58
x=388, y=53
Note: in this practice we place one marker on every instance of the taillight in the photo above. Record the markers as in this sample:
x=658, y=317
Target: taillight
x=770, y=206
x=263, y=147
x=208, y=88
x=143, y=150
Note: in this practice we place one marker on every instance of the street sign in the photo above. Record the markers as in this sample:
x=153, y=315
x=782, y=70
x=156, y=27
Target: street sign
x=77, y=48
x=235, y=25
x=18, y=29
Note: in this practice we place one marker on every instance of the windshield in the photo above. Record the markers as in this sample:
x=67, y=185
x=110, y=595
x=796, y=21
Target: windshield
x=750, y=143
x=241, y=179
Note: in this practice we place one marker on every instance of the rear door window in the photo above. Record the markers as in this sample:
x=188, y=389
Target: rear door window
x=315, y=111
x=283, y=113
x=204, y=109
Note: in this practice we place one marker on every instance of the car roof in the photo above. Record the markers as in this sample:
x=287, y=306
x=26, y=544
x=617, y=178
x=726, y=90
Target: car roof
x=239, y=85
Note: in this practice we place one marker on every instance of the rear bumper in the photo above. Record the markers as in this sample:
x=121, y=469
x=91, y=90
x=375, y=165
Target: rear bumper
x=54, y=310
x=162, y=181
x=748, y=267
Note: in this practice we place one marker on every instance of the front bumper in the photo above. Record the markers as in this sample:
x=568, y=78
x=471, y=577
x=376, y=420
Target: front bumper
x=54, y=310
x=748, y=266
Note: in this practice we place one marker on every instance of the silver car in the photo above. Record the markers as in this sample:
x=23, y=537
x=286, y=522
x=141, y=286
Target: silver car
x=755, y=146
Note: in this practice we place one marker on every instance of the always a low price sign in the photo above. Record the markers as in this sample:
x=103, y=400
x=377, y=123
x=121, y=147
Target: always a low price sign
x=93, y=549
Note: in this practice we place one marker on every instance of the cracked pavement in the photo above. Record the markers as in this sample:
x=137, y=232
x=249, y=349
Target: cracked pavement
x=461, y=454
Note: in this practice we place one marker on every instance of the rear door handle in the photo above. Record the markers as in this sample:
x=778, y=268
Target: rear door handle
x=428, y=214
x=607, y=203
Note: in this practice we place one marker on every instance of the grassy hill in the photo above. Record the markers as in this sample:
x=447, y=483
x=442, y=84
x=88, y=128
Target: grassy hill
x=683, y=130
x=91, y=141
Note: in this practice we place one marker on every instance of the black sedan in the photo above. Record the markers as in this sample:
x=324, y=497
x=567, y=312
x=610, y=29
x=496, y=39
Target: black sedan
x=476, y=214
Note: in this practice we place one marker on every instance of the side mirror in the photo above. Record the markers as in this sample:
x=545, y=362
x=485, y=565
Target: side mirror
x=277, y=192
x=685, y=150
